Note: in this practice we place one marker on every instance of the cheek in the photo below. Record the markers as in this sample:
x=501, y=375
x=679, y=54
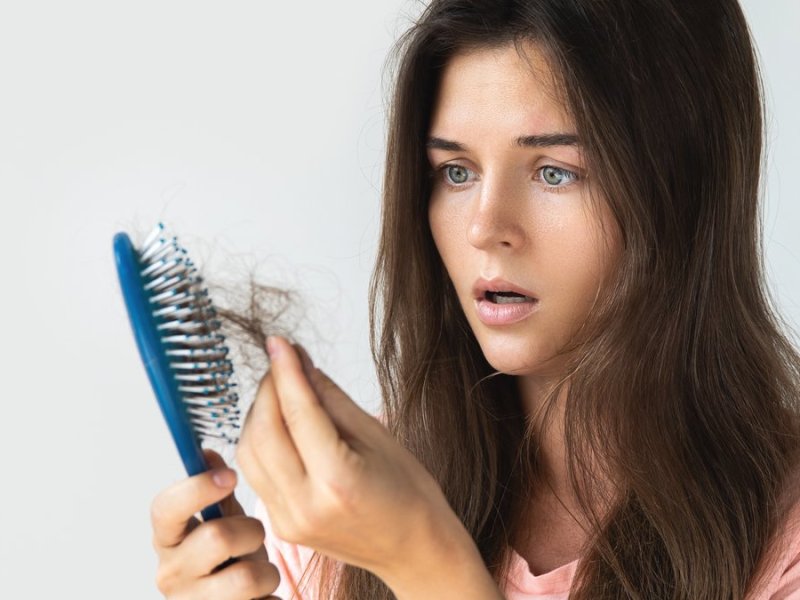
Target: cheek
x=572, y=263
x=604, y=250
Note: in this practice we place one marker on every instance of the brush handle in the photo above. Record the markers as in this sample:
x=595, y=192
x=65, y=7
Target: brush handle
x=156, y=364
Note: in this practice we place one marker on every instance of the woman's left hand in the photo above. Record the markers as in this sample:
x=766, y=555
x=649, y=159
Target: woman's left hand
x=332, y=477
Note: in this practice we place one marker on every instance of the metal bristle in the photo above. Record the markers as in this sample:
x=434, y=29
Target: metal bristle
x=185, y=318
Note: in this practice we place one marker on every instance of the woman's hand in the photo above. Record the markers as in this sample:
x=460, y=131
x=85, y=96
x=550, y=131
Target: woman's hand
x=189, y=552
x=333, y=478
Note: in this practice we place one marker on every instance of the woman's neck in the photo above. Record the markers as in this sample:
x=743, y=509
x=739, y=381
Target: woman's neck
x=551, y=532
x=551, y=448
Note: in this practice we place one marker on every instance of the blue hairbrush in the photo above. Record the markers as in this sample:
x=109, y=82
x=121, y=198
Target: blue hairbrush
x=177, y=333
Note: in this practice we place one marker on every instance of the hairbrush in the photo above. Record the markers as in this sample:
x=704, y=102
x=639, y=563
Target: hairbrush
x=177, y=333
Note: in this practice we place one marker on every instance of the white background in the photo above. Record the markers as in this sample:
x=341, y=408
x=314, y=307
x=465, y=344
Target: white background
x=255, y=130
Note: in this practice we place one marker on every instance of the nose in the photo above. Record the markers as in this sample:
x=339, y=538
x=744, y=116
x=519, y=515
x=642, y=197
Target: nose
x=496, y=220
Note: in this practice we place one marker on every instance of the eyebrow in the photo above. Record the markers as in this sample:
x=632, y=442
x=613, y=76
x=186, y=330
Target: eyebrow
x=535, y=141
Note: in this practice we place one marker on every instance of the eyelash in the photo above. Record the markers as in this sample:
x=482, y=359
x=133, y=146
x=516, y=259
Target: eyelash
x=441, y=172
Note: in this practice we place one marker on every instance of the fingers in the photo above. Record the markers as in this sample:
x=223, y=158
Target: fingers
x=265, y=443
x=353, y=422
x=309, y=425
x=230, y=506
x=244, y=579
x=173, y=510
x=213, y=459
x=191, y=553
x=214, y=542
x=305, y=359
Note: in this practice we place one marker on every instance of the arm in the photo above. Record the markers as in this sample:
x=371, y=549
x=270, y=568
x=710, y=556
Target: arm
x=333, y=479
x=447, y=567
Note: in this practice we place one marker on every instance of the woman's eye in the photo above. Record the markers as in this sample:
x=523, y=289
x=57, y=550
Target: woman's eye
x=556, y=176
x=456, y=174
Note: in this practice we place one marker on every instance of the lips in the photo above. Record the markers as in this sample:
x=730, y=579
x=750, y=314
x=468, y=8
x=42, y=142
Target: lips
x=496, y=284
x=496, y=313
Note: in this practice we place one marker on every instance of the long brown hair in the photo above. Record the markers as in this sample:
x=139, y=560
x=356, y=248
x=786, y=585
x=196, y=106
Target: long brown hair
x=682, y=385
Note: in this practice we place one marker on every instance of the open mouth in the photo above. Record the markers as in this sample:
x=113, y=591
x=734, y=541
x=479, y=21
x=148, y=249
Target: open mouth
x=507, y=298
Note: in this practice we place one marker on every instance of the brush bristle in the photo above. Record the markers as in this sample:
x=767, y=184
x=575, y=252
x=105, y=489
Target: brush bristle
x=185, y=318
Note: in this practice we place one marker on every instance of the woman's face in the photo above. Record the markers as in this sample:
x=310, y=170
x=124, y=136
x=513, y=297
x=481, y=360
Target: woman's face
x=510, y=210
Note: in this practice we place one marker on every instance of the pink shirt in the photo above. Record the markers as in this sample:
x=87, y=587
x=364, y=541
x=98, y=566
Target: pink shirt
x=782, y=583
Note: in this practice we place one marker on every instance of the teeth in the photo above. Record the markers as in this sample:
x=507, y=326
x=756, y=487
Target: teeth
x=507, y=297
x=510, y=299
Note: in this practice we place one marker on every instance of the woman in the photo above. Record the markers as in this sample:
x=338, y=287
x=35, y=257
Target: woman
x=586, y=392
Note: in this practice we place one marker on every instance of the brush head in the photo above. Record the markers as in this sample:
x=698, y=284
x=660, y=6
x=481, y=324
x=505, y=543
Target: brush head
x=178, y=334
x=196, y=350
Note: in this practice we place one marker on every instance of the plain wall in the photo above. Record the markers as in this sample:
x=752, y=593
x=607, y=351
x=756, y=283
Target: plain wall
x=255, y=131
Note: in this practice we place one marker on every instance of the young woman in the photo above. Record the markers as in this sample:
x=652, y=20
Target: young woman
x=586, y=391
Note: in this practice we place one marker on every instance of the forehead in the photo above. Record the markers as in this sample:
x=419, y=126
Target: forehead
x=508, y=86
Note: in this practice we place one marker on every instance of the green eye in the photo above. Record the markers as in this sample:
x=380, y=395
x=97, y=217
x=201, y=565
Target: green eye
x=553, y=175
x=556, y=179
x=457, y=174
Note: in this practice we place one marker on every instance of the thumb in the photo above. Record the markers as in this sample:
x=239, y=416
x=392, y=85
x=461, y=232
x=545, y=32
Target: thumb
x=230, y=505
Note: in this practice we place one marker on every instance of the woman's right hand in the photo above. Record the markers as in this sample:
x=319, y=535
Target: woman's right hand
x=190, y=551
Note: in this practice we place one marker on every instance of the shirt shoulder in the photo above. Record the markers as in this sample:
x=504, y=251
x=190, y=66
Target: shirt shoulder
x=781, y=579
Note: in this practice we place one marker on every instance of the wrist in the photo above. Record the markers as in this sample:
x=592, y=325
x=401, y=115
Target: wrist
x=446, y=564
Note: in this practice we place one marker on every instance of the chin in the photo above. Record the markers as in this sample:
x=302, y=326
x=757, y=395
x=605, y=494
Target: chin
x=510, y=362
x=509, y=368
x=516, y=359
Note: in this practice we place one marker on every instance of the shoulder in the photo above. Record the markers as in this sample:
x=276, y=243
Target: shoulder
x=780, y=574
x=292, y=560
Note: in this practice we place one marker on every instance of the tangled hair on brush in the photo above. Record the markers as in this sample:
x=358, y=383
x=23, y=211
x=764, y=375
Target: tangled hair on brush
x=249, y=318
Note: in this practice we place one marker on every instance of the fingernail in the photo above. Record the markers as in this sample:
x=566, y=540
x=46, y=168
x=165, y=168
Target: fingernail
x=224, y=478
x=272, y=346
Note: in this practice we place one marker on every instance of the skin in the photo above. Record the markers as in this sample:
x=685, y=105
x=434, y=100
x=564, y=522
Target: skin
x=496, y=211
x=343, y=486
x=505, y=220
x=348, y=489
x=189, y=550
